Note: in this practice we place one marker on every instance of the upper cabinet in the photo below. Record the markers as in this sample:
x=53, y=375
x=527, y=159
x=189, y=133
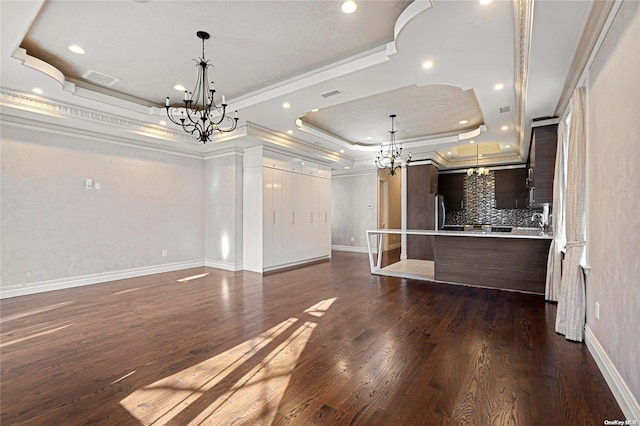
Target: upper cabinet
x=451, y=187
x=511, y=188
x=542, y=162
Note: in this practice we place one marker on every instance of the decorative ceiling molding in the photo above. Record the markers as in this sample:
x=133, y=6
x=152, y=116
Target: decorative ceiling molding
x=290, y=143
x=58, y=109
x=413, y=10
x=594, y=30
x=523, y=10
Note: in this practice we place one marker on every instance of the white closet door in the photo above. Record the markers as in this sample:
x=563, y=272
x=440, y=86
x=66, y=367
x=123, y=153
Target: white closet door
x=325, y=216
x=290, y=218
x=272, y=217
x=307, y=217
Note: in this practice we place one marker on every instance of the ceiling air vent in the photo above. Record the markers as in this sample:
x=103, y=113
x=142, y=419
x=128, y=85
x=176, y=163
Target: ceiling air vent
x=505, y=109
x=100, y=78
x=332, y=93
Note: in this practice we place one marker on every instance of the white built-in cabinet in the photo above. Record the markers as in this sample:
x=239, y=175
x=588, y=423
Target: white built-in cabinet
x=286, y=209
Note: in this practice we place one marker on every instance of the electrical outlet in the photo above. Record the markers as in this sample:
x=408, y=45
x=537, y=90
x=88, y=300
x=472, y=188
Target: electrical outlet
x=353, y=239
x=164, y=252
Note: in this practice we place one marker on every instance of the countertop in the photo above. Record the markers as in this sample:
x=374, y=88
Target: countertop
x=527, y=233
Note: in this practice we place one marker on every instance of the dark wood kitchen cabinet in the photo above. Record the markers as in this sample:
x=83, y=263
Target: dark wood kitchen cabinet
x=542, y=163
x=511, y=188
x=451, y=187
x=422, y=186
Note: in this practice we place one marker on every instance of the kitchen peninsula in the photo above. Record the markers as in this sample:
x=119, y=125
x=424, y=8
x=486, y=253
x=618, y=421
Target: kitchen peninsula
x=515, y=260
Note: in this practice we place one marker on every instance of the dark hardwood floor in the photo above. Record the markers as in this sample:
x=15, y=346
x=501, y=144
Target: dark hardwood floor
x=323, y=344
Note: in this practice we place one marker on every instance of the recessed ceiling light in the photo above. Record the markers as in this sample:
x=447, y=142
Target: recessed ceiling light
x=37, y=90
x=368, y=138
x=76, y=49
x=427, y=65
x=485, y=2
x=503, y=128
x=347, y=167
x=507, y=146
x=162, y=122
x=479, y=155
x=349, y=6
x=472, y=141
x=342, y=151
x=290, y=132
x=314, y=110
x=286, y=105
x=180, y=87
x=463, y=121
x=449, y=153
x=498, y=86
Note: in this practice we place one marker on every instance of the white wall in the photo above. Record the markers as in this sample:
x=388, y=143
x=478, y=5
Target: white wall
x=223, y=211
x=614, y=195
x=53, y=228
x=354, y=209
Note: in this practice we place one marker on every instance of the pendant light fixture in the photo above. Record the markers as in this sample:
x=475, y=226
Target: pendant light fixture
x=200, y=115
x=390, y=156
x=478, y=170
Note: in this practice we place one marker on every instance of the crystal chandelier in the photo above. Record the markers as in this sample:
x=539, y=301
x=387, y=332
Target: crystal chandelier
x=478, y=170
x=390, y=156
x=201, y=119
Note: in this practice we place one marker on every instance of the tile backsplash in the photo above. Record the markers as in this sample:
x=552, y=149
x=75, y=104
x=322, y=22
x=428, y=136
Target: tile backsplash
x=480, y=206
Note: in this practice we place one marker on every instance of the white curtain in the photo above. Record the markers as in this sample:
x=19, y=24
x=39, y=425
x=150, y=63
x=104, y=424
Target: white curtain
x=554, y=267
x=571, y=305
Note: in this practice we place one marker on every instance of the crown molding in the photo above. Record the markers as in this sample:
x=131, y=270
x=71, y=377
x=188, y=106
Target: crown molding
x=524, y=26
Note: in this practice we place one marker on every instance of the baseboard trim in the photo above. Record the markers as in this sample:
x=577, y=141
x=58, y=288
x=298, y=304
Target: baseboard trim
x=628, y=403
x=353, y=249
x=62, y=283
x=227, y=266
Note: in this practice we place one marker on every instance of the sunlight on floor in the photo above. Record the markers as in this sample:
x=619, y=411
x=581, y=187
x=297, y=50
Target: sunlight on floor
x=32, y=334
x=320, y=308
x=34, y=311
x=254, y=398
x=193, y=277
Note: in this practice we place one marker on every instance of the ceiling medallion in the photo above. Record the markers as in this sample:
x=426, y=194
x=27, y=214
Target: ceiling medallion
x=391, y=156
x=201, y=119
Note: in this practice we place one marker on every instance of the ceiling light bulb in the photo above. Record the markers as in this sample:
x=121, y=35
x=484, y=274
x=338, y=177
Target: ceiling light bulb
x=342, y=151
x=449, y=153
x=498, y=86
x=349, y=6
x=472, y=141
x=37, y=90
x=503, y=128
x=76, y=49
x=347, y=167
x=427, y=65
x=286, y=105
x=162, y=122
x=290, y=132
x=463, y=121
x=507, y=146
x=485, y=2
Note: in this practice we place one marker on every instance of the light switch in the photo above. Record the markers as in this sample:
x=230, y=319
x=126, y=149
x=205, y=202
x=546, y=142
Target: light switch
x=88, y=184
x=96, y=185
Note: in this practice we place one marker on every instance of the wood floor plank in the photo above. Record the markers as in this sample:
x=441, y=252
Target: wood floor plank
x=360, y=349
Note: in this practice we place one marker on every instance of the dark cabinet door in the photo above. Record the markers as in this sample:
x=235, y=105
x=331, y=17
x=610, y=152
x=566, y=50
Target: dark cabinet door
x=451, y=187
x=542, y=164
x=511, y=188
x=422, y=184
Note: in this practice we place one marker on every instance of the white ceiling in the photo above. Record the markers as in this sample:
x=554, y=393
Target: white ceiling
x=266, y=53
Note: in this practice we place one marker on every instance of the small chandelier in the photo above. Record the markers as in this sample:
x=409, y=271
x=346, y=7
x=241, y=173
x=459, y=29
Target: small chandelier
x=391, y=157
x=201, y=119
x=478, y=170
